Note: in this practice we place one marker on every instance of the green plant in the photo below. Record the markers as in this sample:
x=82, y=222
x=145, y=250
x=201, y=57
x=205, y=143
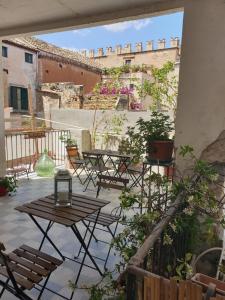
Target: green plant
x=159, y=127
x=9, y=183
x=141, y=214
x=163, y=87
x=68, y=141
x=112, y=128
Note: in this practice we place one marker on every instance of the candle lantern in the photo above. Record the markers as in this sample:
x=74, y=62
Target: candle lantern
x=63, y=189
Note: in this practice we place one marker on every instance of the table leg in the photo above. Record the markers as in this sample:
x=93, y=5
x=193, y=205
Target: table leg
x=85, y=247
x=45, y=233
x=47, y=230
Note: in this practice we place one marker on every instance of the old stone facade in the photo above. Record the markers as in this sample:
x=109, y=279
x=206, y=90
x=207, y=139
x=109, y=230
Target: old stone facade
x=31, y=62
x=148, y=55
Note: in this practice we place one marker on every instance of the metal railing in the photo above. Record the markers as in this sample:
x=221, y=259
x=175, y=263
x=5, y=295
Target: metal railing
x=23, y=148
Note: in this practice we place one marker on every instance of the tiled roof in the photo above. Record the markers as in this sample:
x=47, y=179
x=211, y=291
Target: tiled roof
x=41, y=46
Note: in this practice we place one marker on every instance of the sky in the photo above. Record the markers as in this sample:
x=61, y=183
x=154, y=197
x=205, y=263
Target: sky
x=141, y=30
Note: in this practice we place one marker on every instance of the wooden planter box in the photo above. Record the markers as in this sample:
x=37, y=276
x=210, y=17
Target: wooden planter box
x=34, y=134
x=205, y=280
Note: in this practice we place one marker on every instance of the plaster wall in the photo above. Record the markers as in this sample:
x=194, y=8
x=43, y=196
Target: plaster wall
x=53, y=71
x=83, y=119
x=201, y=102
x=19, y=73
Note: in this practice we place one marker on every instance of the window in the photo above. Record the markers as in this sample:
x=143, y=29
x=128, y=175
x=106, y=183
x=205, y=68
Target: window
x=4, y=51
x=18, y=98
x=128, y=62
x=28, y=58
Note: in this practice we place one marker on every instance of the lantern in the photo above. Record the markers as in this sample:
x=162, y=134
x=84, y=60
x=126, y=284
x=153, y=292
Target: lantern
x=63, y=189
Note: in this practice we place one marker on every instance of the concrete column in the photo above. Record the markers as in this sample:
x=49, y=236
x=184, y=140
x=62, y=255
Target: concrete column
x=2, y=122
x=85, y=140
x=201, y=102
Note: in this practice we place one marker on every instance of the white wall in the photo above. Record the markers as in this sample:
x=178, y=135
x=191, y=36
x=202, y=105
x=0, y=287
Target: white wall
x=20, y=73
x=201, y=101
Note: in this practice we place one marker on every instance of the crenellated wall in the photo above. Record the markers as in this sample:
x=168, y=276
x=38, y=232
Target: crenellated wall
x=138, y=54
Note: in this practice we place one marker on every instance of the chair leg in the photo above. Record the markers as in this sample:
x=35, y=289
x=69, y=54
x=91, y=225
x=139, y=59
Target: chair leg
x=110, y=246
x=86, y=231
x=4, y=287
x=98, y=191
x=43, y=287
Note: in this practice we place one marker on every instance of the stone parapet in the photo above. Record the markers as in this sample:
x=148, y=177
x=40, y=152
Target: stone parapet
x=138, y=48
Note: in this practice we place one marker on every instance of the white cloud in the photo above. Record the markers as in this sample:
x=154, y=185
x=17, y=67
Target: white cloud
x=81, y=32
x=122, y=26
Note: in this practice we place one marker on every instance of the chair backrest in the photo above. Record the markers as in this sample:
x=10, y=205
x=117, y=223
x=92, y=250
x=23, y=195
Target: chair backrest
x=2, y=255
x=4, y=261
x=92, y=160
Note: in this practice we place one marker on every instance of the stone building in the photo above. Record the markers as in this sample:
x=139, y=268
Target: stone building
x=140, y=56
x=19, y=64
x=30, y=61
x=148, y=55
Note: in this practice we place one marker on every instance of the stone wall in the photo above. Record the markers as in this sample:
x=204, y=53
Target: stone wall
x=102, y=102
x=137, y=55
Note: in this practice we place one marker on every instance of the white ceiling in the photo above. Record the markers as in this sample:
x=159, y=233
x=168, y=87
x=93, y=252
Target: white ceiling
x=36, y=16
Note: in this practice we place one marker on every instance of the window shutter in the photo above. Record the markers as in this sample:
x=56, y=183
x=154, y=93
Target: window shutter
x=24, y=99
x=13, y=97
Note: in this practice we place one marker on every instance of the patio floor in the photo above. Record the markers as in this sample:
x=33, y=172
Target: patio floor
x=17, y=229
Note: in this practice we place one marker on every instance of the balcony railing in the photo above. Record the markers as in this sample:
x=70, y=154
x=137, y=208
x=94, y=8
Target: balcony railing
x=24, y=148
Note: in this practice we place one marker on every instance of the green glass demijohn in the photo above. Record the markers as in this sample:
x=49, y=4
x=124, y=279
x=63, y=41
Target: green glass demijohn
x=45, y=166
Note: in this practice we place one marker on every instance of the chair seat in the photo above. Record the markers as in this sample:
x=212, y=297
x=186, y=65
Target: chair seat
x=29, y=266
x=104, y=219
x=78, y=161
x=108, y=185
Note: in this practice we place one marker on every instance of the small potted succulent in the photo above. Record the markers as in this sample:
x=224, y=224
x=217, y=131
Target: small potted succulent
x=7, y=185
x=71, y=145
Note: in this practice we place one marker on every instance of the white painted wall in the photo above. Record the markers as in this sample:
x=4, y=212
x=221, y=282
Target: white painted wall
x=20, y=73
x=201, y=101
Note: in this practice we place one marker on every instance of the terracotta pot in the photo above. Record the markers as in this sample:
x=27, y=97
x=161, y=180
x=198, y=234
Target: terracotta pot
x=169, y=172
x=72, y=151
x=160, y=150
x=3, y=191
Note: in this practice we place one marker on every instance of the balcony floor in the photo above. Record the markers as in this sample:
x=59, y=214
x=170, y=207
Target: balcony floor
x=17, y=229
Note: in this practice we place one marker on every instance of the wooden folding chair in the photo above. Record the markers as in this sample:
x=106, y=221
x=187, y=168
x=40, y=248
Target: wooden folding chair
x=24, y=269
x=78, y=165
x=111, y=182
x=104, y=223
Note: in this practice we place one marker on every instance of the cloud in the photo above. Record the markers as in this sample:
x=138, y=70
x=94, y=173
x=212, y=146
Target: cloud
x=122, y=26
x=82, y=32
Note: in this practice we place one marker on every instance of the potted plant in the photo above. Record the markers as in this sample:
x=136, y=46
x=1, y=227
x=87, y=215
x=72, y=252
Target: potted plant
x=155, y=135
x=71, y=145
x=7, y=185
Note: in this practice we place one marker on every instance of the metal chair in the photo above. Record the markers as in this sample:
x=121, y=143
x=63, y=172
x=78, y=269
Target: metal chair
x=94, y=166
x=106, y=221
x=24, y=269
x=111, y=182
x=78, y=165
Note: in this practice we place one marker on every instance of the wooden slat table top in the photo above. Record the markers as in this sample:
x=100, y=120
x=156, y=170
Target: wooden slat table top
x=82, y=207
x=108, y=153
